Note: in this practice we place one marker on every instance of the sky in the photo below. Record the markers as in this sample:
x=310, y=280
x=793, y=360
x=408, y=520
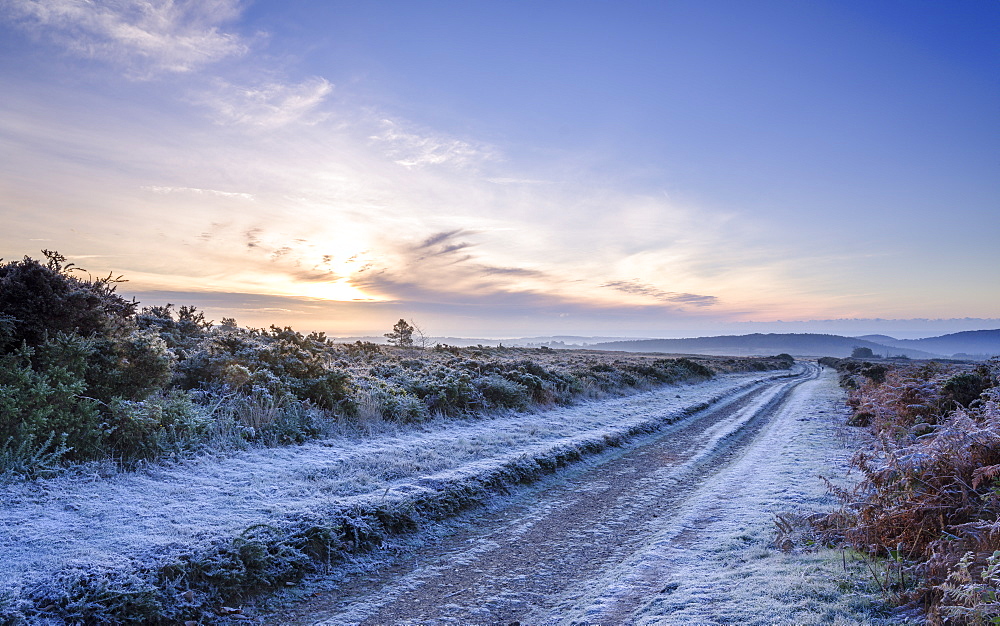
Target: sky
x=515, y=168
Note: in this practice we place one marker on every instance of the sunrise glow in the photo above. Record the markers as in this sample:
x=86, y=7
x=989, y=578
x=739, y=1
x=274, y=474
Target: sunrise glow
x=634, y=169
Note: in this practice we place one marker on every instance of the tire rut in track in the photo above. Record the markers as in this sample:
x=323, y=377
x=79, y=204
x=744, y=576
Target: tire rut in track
x=518, y=558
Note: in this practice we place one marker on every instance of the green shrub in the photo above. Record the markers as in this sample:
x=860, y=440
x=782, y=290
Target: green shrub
x=181, y=333
x=965, y=388
x=295, y=423
x=29, y=459
x=130, y=367
x=448, y=391
x=35, y=403
x=165, y=424
x=698, y=370
x=69, y=350
x=363, y=349
x=279, y=362
x=38, y=301
x=94, y=595
x=500, y=392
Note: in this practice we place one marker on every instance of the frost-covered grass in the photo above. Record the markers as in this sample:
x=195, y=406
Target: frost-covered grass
x=177, y=542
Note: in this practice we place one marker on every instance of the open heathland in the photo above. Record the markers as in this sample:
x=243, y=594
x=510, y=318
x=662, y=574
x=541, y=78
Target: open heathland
x=158, y=467
x=180, y=541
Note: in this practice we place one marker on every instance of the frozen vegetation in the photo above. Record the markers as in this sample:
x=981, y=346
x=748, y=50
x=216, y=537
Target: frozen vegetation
x=131, y=528
x=676, y=528
x=926, y=506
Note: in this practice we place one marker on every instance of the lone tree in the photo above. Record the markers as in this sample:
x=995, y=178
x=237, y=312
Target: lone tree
x=401, y=335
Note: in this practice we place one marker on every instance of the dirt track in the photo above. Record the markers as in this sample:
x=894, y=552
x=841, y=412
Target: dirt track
x=546, y=554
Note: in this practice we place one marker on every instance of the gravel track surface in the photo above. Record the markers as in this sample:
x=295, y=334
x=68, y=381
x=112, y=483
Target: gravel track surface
x=664, y=531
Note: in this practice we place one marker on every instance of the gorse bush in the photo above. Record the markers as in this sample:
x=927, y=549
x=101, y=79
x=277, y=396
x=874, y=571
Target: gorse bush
x=42, y=409
x=503, y=392
x=37, y=301
x=278, y=362
x=69, y=349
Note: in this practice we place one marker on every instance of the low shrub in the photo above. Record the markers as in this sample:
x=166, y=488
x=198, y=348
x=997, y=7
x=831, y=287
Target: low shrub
x=96, y=595
x=279, y=361
x=28, y=458
x=36, y=402
x=389, y=401
x=166, y=424
x=501, y=392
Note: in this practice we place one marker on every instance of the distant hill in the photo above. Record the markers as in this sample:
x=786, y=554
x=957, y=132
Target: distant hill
x=981, y=342
x=966, y=344
x=884, y=340
x=798, y=344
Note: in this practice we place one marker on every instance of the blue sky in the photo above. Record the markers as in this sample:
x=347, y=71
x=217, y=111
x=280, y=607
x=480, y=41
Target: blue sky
x=514, y=168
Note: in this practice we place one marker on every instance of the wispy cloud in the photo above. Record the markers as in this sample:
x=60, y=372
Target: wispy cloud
x=443, y=244
x=519, y=272
x=315, y=275
x=144, y=36
x=195, y=190
x=640, y=289
x=270, y=105
x=417, y=150
x=442, y=266
x=518, y=181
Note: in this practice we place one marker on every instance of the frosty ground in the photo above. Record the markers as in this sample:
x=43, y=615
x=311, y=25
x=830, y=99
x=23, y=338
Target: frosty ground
x=97, y=518
x=675, y=544
x=118, y=519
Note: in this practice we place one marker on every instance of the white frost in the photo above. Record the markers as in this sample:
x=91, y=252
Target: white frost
x=49, y=524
